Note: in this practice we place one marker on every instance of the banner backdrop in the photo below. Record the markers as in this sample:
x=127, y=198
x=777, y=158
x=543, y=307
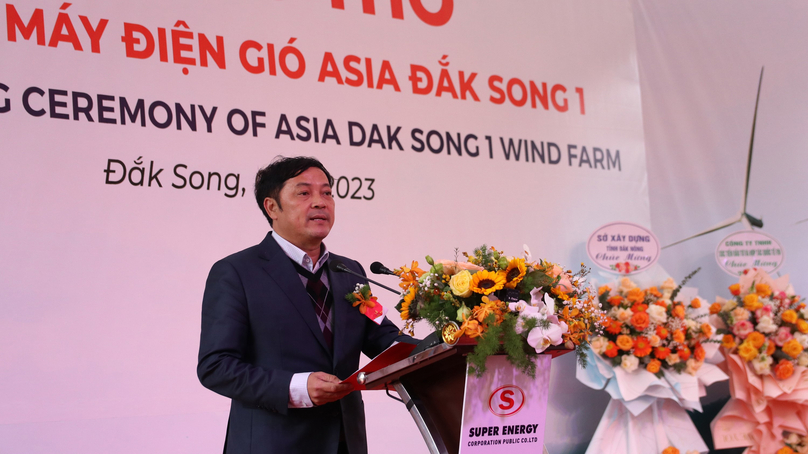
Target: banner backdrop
x=131, y=134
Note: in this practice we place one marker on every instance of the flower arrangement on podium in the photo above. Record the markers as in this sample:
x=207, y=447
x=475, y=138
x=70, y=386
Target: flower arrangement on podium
x=765, y=334
x=653, y=361
x=507, y=304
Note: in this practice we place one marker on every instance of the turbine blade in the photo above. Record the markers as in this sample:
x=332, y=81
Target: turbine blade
x=724, y=224
x=751, y=145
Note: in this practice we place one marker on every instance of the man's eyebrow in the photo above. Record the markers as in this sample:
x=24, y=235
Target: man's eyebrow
x=326, y=185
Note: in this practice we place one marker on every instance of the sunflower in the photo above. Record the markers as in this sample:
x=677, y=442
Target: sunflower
x=514, y=273
x=405, y=303
x=486, y=282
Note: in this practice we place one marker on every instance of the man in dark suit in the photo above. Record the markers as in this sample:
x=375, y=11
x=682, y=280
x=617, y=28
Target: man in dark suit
x=277, y=331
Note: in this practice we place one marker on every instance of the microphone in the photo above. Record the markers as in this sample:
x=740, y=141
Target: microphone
x=339, y=267
x=378, y=268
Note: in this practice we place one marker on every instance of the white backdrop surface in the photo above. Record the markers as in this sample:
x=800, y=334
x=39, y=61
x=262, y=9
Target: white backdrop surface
x=101, y=284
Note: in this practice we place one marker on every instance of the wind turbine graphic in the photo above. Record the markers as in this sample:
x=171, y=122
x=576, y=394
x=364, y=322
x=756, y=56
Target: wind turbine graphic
x=742, y=215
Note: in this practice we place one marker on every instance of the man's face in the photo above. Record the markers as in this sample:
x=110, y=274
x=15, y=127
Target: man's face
x=306, y=211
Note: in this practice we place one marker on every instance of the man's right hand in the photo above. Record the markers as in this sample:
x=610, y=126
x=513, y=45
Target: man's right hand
x=324, y=388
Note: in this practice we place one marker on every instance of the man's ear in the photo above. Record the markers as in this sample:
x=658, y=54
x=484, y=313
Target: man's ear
x=272, y=207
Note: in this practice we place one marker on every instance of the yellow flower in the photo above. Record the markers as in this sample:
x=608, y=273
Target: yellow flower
x=802, y=326
x=514, y=273
x=790, y=316
x=747, y=351
x=405, y=304
x=751, y=303
x=486, y=282
x=792, y=348
x=459, y=283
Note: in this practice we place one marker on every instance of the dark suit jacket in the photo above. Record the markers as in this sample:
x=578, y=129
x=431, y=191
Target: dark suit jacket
x=258, y=329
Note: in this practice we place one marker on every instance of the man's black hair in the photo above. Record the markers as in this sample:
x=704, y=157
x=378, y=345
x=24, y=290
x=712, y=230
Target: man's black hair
x=269, y=180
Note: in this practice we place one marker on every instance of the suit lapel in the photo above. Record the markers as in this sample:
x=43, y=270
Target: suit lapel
x=341, y=285
x=280, y=269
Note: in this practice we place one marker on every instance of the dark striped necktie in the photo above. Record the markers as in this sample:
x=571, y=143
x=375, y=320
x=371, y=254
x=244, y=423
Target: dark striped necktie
x=318, y=293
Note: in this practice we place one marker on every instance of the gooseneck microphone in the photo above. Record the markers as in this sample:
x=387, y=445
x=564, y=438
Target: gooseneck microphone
x=378, y=268
x=339, y=267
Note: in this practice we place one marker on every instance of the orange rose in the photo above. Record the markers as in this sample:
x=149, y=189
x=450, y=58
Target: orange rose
x=635, y=295
x=783, y=369
x=770, y=348
x=625, y=342
x=790, y=316
x=662, y=332
x=654, y=291
x=640, y=321
x=695, y=303
x=792, y=348
x=802, y=326
x=678, y=336
x=747, y=351
x=614, y=327
x=662, y=352
x=642, y=347
x=785, y=450
x=678, y=311
x=715, y=308
x=604, y=289
x=615, y=300
x=735, y=289
x=763, y=290
x=706, y=329
x=683, y=352
x=757, y=339
x=670, y=450
x=653, y=366
x=639, y=307
x=751, y=303
x=611, y=350
x=699, y=353
x=728, y=341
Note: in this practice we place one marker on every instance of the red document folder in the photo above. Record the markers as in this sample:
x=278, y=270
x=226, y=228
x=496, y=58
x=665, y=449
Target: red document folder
x=393, y=354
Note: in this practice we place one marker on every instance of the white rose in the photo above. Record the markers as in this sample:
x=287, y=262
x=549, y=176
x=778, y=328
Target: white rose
x=766, y=325
x=804, y=312
x=613, y=312
x=762, y=364
x=792, y=438
x=626, y=284
x=692, y=324
x=802, y=360
x=693, y=366
x=630, y=363
x=802, y=339
x=667, y=287
x=672, y=359
x=624, y=315
x=599, y=344
x=729, y=305
x=657, y=314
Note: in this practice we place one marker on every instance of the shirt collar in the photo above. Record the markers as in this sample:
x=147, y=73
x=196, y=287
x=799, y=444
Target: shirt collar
x=299, y=256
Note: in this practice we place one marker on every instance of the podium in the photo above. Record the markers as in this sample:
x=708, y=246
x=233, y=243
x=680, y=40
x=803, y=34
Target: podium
x=432, y=386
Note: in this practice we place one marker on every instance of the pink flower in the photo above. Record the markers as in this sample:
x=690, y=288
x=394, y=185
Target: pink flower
x=743, y=328
x=564, y=284
x=555, y=271
x=765, y=311
x=782, y=336
x=451, y=267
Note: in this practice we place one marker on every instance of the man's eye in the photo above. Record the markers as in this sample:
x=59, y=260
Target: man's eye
x=327, y=194
x=303, y=193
